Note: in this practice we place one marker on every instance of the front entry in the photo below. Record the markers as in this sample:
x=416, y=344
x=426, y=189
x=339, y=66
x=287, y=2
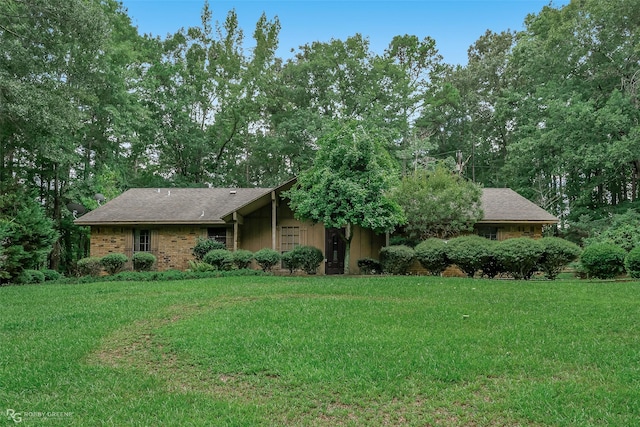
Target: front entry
x=334, y=250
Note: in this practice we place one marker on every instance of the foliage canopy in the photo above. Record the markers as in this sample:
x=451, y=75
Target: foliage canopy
x=438, y=204
x=348, y=184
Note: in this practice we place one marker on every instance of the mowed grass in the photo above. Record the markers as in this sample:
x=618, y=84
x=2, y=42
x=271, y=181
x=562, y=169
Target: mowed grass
x=322, y=351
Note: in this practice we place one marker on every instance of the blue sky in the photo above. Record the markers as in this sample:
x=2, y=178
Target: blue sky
x=454, y=24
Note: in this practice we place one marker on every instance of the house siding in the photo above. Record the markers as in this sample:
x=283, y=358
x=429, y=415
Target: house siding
x=172, y=245
x=510, y=231
x=107, y=240
x=255, y=234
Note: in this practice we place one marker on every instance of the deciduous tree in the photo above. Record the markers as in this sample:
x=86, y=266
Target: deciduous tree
x=348, y=184
x=438, y=204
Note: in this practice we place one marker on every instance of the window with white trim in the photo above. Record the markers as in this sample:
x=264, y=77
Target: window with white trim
x=141, y=240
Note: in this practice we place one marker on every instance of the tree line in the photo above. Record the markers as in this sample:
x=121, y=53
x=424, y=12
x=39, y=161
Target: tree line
x=88, y=107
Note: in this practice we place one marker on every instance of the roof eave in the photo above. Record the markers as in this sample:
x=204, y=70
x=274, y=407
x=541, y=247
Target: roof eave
x=518, y=221
x=175, y=222
x=259, y=201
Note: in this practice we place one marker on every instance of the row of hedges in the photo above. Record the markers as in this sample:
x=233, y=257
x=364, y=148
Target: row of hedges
x=213, y=255
x=114, y=263
x=221, y=259
x=30, y=277
x=518, y=257
x=152, y=276
x=606, y=261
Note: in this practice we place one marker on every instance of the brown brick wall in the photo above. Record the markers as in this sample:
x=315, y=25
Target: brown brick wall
x=172, y=245
x=107, y=240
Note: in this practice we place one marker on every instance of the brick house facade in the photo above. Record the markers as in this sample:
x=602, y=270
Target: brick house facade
x=167, y=222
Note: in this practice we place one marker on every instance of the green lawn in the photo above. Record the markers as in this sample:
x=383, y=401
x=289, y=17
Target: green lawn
x=322, y=351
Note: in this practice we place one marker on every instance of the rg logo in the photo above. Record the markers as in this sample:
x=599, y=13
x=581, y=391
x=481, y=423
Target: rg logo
x=15, y=416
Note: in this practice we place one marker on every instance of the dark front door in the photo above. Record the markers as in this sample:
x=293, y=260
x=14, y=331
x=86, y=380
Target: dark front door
x=334, y=249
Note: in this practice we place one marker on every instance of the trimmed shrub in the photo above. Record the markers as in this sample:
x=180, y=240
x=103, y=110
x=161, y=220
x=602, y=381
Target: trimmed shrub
x=310, y=258
x=369, y=266
x=469, y=253
x=519, y=256
x=396, y=259
x=51, y=275
x=432, y=255
x=557, y=253
x=242, y=258
x=267, y=258
x=143, y=261
x=203, y=246
x=90, y=266
x=29, y=277
x=290, y=261
x=220, y=259
x=113, y=263
x=632, y=263
x=603, y=260
x=491, y=267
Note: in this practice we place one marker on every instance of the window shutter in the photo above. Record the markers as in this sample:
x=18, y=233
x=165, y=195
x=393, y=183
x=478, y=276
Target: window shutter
x=128, y=242
x=154, y=236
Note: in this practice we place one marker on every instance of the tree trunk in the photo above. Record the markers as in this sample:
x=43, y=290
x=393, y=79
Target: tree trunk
x=56, y=253
x=634, y=179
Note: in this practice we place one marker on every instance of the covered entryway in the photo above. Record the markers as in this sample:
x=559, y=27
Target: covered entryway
x=334, y=250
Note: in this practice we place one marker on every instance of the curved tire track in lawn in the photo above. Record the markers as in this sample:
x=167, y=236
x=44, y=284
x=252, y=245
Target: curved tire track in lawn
x=137, y=347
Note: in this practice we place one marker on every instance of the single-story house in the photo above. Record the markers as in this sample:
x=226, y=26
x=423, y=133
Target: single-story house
x=507, y=214
x=168, y=221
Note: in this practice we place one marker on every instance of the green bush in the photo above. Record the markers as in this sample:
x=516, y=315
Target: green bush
x=491, y=267
x=267, y=258
x=469, y=253
x=396, y=259
x=220, y=259
x=51, y=275
x=199, y=266
x=242, y=258
x=369, y=266
x=90, y=266
x=291, y=261
x=557, y=253
x=150, y=276
x=203, y=246
x=29, y=277
x=310, y=258
x=519, y=256
x=603, y=260
x=143, y=261
x=632, y=263
x=432, y=255
x=113, y=263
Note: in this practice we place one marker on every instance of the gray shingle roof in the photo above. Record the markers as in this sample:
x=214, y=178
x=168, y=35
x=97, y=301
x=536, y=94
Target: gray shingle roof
x=172, y=206
x=210, y=205
x=505, y=205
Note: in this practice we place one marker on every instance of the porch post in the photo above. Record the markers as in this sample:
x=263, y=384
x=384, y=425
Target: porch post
x=274, y=211
x=235, y=235
x=237, y=221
